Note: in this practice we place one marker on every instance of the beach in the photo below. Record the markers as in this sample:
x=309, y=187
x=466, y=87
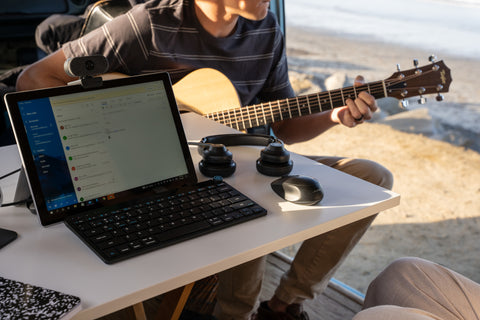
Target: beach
x=435, y=163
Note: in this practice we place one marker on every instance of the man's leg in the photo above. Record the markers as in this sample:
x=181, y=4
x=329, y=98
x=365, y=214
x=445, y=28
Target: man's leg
x=238, y=290
x=318, y=258
x=421, y=284
x=240, y=287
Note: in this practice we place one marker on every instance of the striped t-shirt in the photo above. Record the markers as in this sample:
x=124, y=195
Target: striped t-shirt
x=165, y=35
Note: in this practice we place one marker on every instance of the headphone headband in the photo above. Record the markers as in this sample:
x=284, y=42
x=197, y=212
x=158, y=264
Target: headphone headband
x=239, y=139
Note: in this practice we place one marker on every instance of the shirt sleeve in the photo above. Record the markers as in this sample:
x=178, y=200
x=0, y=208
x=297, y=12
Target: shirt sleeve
x=124, y=41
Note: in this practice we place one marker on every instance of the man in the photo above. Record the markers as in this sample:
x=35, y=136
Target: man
x=241, y=39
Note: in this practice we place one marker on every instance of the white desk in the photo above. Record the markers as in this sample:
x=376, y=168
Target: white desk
x=54, y=257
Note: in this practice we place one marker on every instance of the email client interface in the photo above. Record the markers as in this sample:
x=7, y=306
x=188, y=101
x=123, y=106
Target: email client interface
x=92, y=146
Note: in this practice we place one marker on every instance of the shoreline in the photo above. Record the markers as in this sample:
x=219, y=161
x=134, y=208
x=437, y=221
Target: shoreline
x=435, y=172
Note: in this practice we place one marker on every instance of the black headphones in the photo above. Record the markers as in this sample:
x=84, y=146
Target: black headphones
x=217, y=160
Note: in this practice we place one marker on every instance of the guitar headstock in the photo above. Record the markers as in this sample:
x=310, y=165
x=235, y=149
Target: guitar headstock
x=433, y=78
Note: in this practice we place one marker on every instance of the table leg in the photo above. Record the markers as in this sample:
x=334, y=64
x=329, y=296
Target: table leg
x=173, y=303
x=139, y=311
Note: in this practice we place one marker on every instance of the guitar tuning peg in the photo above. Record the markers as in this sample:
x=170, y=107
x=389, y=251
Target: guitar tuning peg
x=403, y=104
x=422, y=100
x=415, y=62
x=432, y=58
x=439, y=97
x=398, y=67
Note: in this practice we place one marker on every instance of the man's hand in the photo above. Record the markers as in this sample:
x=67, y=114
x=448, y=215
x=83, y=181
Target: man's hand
x=356, y=111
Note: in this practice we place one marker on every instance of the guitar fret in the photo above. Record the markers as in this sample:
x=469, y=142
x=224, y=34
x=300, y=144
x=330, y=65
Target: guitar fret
x=319, y=103
x=271, y=111
x=298, y=107
x=303, y=103
x=239, y=120
x=330, y=96
x=384, y=89
x=289, y=110
x=249, y=119
x=226, y=119
x=263, y=111
x=308, y=105
x=355, y=92
x=242, y=111
x=348, y=92
x=279, y=110
x=343, y=98
x=221, y=117
x=233, y=118
x=255, y=114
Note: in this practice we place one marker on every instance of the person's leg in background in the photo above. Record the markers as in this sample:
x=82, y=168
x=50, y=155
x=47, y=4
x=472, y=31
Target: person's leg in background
x=427, y=286
x=394, y=313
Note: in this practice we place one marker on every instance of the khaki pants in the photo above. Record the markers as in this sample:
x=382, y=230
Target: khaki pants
x=315, y=262
x=417, y=289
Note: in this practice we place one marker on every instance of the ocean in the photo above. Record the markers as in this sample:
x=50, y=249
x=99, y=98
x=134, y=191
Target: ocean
x=442, y=27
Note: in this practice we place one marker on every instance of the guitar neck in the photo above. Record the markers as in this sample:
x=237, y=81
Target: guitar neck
x=243, y=118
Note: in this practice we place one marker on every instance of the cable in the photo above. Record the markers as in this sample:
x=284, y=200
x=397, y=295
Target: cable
x=15, y=203
x=9, y=174
x=27, y=201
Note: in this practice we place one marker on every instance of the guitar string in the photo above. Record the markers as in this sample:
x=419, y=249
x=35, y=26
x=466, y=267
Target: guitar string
x=304, y=104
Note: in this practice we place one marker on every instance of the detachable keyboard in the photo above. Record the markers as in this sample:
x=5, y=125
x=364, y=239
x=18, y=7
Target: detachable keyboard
x=120, y=233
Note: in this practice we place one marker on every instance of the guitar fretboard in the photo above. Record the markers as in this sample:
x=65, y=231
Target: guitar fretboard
x=268, y=112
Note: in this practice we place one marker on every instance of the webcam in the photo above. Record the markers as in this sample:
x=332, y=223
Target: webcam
x=86, y=68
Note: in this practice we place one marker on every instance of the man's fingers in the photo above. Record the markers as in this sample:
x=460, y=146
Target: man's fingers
x=359, y=80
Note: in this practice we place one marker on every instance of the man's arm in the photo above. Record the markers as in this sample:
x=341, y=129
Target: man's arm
x=308, y=127
x=47, y=72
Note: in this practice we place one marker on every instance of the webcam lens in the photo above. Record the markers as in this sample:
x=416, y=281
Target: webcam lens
x=89, y=65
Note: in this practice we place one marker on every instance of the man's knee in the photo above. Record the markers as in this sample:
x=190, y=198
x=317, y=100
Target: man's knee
x=377, y=174
x=368, y=170
x=364, y=169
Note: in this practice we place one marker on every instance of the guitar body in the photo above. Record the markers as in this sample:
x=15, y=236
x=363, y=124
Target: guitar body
x=204, y=91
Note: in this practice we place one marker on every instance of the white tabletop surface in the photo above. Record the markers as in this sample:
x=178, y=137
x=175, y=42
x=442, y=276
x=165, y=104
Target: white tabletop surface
x=55, y=258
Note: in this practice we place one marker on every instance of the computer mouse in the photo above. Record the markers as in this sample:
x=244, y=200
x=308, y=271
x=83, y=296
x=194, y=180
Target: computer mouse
x=298, y=189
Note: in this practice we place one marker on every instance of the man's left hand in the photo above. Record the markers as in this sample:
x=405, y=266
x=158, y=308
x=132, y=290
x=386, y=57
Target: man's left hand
x=358, y=110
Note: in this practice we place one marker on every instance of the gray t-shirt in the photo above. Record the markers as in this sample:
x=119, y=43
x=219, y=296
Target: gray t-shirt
x=165, y=35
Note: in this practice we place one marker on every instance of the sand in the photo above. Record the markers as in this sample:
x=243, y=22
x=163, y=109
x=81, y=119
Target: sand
x=439, y=182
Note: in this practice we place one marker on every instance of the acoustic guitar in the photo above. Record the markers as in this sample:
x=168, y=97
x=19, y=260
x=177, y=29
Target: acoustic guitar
x=210, y=93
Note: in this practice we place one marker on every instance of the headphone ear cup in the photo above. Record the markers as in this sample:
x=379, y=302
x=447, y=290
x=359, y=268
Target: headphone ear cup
x=274, y=160
x=217, y=161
